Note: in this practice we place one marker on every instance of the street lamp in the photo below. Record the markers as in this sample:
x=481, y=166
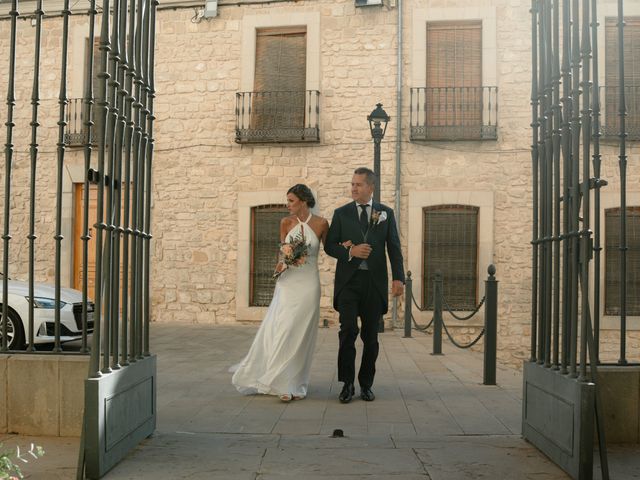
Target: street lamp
x=378, y=120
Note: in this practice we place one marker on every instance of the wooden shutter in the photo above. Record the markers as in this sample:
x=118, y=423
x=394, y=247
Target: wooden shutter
x=612, y=290
x=454, y=77
x=265, y=242
x=450, y=245
x=631, y=46
x=280, y=78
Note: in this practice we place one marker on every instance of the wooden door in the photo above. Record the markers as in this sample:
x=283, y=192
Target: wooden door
x=78, y=197
x=77, y=240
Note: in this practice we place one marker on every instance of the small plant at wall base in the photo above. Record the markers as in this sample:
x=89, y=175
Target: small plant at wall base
x=9, y=470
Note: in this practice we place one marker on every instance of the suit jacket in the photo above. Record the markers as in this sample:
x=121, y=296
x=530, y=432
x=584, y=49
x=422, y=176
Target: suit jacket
x=383, y=238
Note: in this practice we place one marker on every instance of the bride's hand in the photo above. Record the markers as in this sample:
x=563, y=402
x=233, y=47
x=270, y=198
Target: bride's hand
x=347, y=244
x=280, y=267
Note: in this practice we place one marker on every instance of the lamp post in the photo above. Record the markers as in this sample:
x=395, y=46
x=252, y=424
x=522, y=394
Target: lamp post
x=378, y=120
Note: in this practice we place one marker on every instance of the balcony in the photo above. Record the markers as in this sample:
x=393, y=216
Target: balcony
x=454, y=113
x=277, y=117
x=610, y=115
x=75, y=134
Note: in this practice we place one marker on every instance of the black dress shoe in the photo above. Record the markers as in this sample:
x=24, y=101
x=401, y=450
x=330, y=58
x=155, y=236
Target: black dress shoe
x=367, y=395
x=347, y=393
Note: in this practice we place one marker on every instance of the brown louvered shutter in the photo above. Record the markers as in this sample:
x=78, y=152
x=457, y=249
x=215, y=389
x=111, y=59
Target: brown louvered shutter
x=612, y=289
x=631, y=75
x=450, y=246
x=454, y=78
x=280, y=78
x=265, y=242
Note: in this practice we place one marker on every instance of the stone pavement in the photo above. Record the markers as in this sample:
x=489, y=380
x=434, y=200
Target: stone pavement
x=432, y=419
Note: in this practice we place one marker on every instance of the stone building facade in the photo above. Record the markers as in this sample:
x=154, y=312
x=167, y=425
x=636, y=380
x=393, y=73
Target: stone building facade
x=206, y=184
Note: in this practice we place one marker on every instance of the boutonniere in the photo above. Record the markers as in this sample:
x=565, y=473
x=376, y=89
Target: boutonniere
x=377, y=217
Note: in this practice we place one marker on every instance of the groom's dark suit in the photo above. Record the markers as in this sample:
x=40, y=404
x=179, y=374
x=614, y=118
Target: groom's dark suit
x=358, y=292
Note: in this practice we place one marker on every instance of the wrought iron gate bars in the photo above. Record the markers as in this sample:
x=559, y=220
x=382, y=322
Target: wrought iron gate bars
x=623, y=190
x=534, y=170
x=151, y=93
x=88, y=146
x=598, y=182
x=100, y=127
x=33, y=147
x=61, y=148
x=8, y=151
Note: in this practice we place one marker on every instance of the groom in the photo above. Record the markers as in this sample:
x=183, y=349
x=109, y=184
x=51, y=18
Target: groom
x=360, y=233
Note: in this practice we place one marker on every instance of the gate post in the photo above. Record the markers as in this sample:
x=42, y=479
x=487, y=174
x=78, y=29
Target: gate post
x=408, y=295
x=437, y=314
x=490, y=327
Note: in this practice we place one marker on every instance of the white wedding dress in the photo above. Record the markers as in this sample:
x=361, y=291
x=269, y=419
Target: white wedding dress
x=279, y=359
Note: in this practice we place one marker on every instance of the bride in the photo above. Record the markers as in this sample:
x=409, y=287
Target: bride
x=279, y=359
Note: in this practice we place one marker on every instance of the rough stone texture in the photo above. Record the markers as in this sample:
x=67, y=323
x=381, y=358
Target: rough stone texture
x=73, y=371
x=42, y=394
x=34, y=397
x=200, y=170
x=620, y=393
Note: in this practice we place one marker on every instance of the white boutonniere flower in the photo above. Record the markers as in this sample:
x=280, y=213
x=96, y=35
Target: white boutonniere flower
x=377, y=217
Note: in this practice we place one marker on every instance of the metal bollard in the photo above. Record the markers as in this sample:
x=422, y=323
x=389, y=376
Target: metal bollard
x=437, y=314
x=408, y=294
x=490, y=327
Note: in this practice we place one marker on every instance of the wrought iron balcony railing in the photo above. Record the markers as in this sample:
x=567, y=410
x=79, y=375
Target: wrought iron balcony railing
x=75, y=134
x=454, y=113
x=277, y=117
x=610, y=111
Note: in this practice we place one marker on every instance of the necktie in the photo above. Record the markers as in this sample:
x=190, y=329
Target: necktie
x=364, y=221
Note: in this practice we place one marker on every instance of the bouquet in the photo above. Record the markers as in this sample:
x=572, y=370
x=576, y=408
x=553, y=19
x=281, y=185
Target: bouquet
x=293, y=253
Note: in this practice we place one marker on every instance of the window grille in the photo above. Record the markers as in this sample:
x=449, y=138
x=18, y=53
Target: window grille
x=265, y=242
x=450, y=245
x=612, y=261
x=611, y=97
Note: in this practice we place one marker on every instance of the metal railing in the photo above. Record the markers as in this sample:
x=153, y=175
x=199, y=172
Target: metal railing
x=437, y=323
x=454, y=113
x=278, y=117
x=77, y=132
x=610, y=111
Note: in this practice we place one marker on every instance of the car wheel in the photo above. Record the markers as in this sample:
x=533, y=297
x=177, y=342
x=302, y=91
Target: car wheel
x=15, y=333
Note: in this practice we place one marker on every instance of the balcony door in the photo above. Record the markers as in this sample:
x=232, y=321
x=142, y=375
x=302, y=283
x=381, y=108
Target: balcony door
x=280, y=79
x=453, y=101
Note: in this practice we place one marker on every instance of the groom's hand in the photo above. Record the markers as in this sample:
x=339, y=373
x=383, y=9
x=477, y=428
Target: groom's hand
x=361, y=251
x=397, y=288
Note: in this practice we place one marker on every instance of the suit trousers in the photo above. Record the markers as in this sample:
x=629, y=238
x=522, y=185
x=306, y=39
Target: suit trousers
x=359, y=298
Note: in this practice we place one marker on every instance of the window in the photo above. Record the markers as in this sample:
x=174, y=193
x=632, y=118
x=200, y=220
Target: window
x=450, y=246
x=279, y=97
x=611, y=95
x=75, y=131
x=265, y=241
x=612, y=261
x=454, y=104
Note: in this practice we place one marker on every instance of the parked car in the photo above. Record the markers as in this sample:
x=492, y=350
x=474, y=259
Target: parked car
x=43, y=314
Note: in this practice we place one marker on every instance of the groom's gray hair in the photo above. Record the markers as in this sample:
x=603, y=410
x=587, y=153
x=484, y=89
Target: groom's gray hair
x=371, y=176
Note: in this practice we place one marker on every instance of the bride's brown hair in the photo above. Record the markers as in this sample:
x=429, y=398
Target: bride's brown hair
x=303, y=192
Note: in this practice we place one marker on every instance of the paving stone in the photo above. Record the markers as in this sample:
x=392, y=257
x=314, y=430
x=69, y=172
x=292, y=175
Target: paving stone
x=417, y=428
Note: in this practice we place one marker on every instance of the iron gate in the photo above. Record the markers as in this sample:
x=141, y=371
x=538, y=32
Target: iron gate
x=118, y=146
x=561, y=402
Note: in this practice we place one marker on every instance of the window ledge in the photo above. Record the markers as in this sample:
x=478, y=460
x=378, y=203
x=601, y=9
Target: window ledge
x=612, y=322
